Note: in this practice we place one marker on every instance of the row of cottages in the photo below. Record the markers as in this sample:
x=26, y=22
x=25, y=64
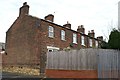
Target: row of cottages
x=29, y=38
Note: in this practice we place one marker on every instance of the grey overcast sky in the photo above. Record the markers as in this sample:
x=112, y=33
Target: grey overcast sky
x=100, y=15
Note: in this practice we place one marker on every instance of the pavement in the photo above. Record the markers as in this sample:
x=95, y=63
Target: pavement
x=17, y=76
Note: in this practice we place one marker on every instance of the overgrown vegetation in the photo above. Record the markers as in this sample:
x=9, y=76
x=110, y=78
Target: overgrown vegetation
x=113, y=42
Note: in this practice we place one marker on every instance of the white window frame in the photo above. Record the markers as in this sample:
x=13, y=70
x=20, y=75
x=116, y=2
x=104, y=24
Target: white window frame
x=90, y=42
x=74, y=38
x=51, y=31
x=62, y=35
x=52, y=48
x=82, y=40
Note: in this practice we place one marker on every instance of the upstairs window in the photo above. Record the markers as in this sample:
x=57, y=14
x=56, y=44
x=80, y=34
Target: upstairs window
x=90, y=41
x=62, y=35
x=51, y=31
x=82, y=40
x=74, y=38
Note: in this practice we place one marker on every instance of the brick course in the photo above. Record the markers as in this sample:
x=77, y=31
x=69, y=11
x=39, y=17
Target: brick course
x=71, y=74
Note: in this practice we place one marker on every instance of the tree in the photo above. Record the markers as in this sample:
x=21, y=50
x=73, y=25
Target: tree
x=104, y=45
x=114, y=39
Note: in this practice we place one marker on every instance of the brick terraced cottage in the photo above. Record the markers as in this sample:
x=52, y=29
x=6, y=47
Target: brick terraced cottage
x=29, y=38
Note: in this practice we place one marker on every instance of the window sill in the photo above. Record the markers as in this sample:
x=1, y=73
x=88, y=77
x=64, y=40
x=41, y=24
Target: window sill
x=75, y=43
x=51, y=37
x=83, y=45
x=63, y=40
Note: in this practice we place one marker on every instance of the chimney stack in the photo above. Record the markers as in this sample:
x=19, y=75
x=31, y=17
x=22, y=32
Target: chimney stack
x=24, y=10
x=49, y=17
x=100, y=38
x=68, y=25
x=81, y=29
x=92, y=34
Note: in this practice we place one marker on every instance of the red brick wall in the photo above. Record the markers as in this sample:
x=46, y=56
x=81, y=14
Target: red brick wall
x=56, y=41
x=22, y=42
x=28, y=38
x=71, y=73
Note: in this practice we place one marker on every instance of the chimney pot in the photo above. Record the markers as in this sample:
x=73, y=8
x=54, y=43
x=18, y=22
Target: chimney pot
x=24, y=10
x=82, y=26
x=92, y=31
x=25, y=3
x=81, y=29
x=92, y=34
x=68, y=22
x=68, y=25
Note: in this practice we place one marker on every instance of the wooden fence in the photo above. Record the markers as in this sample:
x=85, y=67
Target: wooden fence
x=106, y=62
